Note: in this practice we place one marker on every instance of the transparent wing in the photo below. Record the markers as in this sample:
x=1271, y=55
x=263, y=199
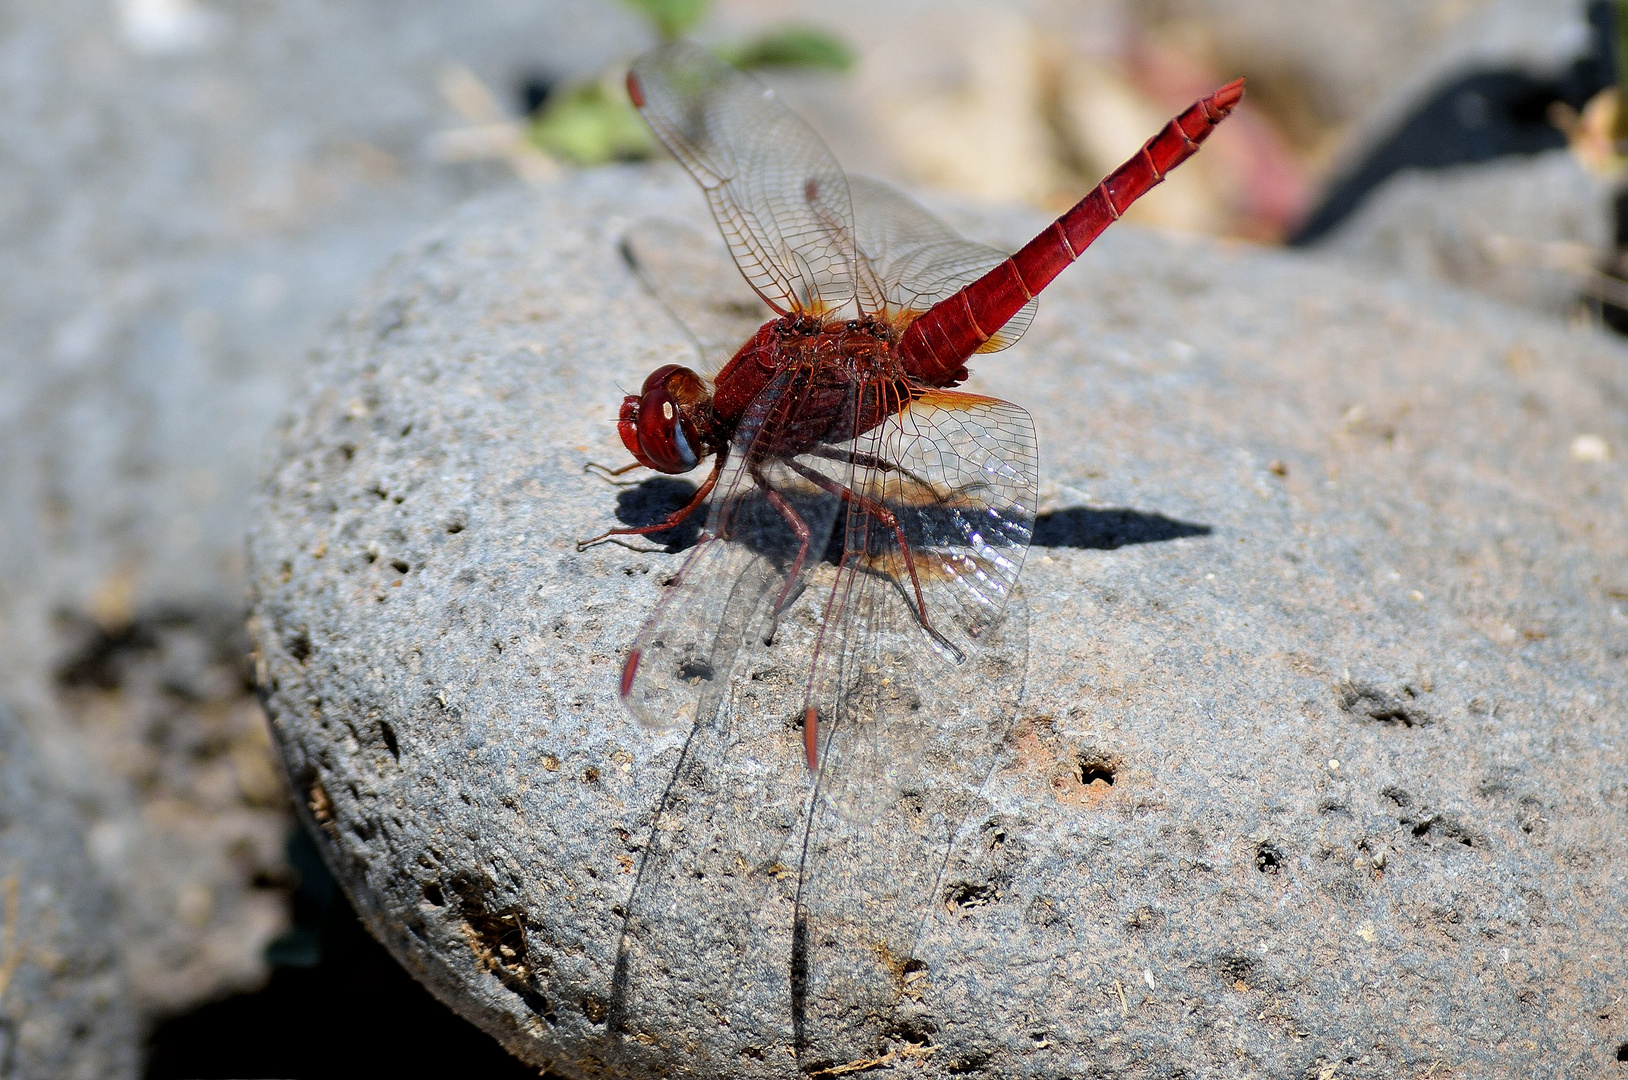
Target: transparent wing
x=869, y=888
x=779, y=197
x=941, y=509
x=694, y=278
x=909, y=260
x=747, y=564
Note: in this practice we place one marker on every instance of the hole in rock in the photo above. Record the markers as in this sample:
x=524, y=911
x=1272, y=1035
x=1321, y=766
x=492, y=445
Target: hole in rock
x=914, y=1029
x=1096, y=770
x=498, y=939
x=389, y=734
x=1441, y=827
x=1145, y=917
x=1399, y=709
x=401, y=566
x=1234, y=967
x=694, y=669
x=299, y=647
x=1268, y=860
x=968, y=1063
x=967, y=895
x=1622, y=1052
x=1399, y=796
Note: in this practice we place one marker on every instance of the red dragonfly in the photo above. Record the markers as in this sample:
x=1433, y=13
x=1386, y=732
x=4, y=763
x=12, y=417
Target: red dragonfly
x=841, y=407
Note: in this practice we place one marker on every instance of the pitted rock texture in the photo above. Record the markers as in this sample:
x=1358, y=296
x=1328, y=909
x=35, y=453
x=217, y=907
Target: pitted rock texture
x=1318, y=770
x=65, y=1006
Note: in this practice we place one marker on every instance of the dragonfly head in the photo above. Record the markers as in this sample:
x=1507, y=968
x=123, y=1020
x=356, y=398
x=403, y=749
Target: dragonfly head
x=665, y=425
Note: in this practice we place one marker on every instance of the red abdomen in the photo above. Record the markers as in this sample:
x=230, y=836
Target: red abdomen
x=937, y=344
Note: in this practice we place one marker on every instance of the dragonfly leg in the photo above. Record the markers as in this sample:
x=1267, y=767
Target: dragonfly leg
x=773, y=628
x=605, y=472
x=890, y=521
x=675, y=518
x=871, y=461
x=800, y=528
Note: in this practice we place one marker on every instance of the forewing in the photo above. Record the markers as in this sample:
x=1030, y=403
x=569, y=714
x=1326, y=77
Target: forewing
x=919, y=596
x=779, y=197
x=744, y=564
x=695, y=279
x=909, y=260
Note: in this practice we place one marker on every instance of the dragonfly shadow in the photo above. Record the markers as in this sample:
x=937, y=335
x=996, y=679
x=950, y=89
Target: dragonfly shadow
x=649, y=502
x=1108, y=529
x=652, y=500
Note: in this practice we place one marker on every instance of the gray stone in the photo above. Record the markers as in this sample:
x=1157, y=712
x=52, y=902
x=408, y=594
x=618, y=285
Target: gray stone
x=1540, y=37
x=1532, y=231
x=64, y=1005
x=1318, y=770
x=191, y=191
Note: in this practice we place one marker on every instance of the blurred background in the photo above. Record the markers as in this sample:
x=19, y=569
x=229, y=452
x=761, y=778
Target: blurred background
x=190, y=190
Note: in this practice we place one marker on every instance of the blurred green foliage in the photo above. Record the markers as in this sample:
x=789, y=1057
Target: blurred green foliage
x=593, y=123
x=673, y=18
x=791, y=46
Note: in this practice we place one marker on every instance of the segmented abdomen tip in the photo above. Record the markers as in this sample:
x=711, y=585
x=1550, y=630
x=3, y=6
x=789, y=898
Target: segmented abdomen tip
x=1229, y=95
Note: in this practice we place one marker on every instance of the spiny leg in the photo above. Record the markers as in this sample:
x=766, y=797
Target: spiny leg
x=871, y=461
x=800, y=528
x=891, y=521
x=605, y=472
x=671, y=521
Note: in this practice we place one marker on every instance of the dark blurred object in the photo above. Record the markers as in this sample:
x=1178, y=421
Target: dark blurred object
x=337, y=1006
x=535, y=91
x=1478, y=117
x=1613, y=313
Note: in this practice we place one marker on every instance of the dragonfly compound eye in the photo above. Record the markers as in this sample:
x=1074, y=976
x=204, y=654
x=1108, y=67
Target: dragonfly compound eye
x=656, y=426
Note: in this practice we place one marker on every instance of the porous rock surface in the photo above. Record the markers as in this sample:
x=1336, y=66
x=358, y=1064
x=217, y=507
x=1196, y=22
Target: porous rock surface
x=1319, y=767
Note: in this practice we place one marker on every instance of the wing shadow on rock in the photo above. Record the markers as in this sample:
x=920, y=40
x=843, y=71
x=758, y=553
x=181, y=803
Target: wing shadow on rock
x=1109, y=528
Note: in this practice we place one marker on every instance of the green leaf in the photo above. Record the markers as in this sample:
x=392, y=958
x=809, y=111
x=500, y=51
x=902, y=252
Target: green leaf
x=591, y=124
x=1622, y=42
x=792, y=46
x=674, y=18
